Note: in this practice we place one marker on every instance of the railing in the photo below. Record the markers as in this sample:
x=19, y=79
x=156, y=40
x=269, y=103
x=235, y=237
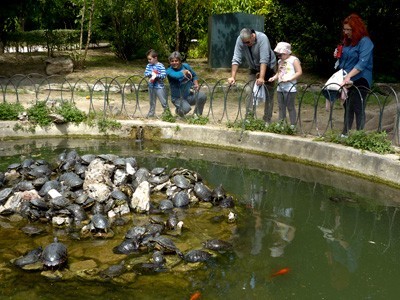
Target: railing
x=127, y=97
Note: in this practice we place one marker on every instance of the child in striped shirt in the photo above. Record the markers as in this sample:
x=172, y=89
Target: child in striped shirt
x=155, y=71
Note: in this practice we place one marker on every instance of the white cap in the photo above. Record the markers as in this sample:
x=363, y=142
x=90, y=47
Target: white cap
x=283, y=48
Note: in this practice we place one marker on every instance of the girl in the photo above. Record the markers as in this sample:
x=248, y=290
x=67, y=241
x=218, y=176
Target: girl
x=289, y=69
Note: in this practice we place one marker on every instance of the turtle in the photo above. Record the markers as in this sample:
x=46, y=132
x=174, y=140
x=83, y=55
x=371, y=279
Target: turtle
x=158, y=258
x=29, y=258
x=32, y=230
x=127, y=246
x=113, y=271
x=5, y=194
x=71, y=180
x=202, y=191
x=157, y=171
x=227, y=202
x=166, y=245
x=218, y=193
x=166, y=204
x=135, y=232
x=54, y=255
x=24, y=186
x=99, y=225
x=194, y=256
x=181, y=181
x=217, y=245
x=181, y=199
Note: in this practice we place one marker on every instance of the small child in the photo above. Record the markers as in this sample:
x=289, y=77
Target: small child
x=156, y=72
x=289, y=69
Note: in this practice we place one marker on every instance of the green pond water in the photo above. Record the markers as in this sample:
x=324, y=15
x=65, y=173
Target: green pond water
x=334, y=236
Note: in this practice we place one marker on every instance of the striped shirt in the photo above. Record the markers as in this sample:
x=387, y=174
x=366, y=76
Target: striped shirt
x=159, y=69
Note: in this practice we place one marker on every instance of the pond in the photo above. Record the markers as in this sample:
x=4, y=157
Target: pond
x=301, y=232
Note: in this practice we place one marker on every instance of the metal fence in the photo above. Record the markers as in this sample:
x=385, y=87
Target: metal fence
x=127, y=97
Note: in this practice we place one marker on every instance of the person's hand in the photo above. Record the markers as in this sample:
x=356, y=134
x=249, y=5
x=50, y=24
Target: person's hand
x=335, y=53
x=260, y=81
x=347, y=82
x=271, y=79
x=187, y=74
x=153, y=76
x=196, y=87
x=231, y=80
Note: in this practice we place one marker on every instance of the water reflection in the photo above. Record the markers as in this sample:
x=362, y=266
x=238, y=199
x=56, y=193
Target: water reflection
x=338, y=235
x=344, y=241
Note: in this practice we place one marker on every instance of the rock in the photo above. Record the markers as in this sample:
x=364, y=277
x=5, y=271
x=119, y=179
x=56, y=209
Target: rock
x=59, y=65
x=57, y=118
x=140, y=201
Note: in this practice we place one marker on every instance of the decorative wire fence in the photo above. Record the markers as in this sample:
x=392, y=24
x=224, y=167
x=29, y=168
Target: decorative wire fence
x=127, y=98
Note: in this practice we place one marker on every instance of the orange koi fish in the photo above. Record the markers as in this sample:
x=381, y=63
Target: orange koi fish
x=281, y=272
x=195, y=296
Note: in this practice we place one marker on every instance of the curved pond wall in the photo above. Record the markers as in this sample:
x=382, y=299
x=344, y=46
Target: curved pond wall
x=364, y=164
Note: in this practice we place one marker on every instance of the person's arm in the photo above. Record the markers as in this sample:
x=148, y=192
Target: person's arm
x=265, y=57
x=161, y=71
x=366, y=47
x=148, y=71
x=193, y=75
x=263, y=69
x=236, y=60
x=232, y=79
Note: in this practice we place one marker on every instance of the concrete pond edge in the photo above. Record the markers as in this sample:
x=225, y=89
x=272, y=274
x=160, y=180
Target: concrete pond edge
x=364, y=164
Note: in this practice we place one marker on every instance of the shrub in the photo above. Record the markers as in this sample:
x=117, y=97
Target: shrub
x=39, y=114
x=71, y=113
x=10, y=111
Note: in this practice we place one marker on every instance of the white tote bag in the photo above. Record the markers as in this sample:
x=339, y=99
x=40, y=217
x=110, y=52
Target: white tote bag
x=259, y=94
x=335, y=80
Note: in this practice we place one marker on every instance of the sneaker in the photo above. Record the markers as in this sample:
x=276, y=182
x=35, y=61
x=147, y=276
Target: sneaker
x=343, y=136
x=150, y=116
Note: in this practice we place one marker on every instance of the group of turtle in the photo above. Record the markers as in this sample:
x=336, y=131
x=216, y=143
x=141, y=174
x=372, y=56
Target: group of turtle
x=59, y=193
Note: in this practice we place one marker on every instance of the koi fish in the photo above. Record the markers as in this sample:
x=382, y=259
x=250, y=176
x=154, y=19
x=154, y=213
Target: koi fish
x=195, y=296
x=281, y=272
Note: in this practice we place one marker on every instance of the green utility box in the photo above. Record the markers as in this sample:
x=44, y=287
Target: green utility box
x=223, y=31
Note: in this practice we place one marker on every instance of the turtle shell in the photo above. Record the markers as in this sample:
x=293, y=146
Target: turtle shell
x=166, y=245
x=114, y=271
x=24, y=186
x=157, y=171
x=31, y=230
x=202, y=191
x=4, y=194
x=71, y=180
x=135, y=232
x=49, y=185
x=181, y=181
x=217, y=245
x=127, y=246
x=158, y=258
x=100, y=222
x=54, y=255
x=31, y=257
x=194, y=256
x=166, y=205
x=181, y=199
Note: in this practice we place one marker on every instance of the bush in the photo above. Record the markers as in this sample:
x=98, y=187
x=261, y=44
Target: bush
x=71, y=113
x=374, y=141
x=39, y=114
x=9, y=111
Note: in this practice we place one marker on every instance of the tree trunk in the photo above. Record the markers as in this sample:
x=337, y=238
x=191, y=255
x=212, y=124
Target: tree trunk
x=89, y=31
x=177, y=25
x=82, y=26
